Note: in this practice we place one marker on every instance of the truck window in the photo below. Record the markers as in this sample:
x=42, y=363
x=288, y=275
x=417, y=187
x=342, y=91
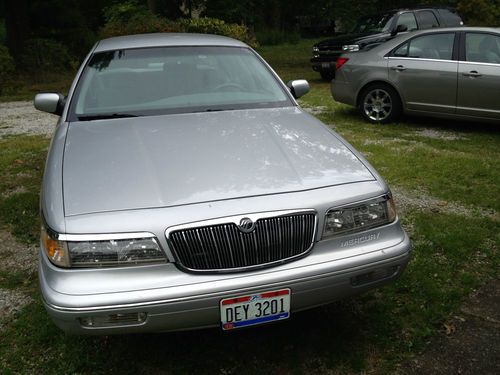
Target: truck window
x=408, y=20
x=427, y=19
x=450, y=18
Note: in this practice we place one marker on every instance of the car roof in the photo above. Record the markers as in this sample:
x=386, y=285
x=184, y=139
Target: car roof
x=455, y=29
x=165, y=40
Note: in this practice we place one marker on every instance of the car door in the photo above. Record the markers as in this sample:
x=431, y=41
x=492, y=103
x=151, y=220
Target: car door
x=479, y=75
x=424, y=70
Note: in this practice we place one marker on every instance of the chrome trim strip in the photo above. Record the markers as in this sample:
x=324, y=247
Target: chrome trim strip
x=236, y=219
x=478, y=63
x=420, y=59
x=104, y=236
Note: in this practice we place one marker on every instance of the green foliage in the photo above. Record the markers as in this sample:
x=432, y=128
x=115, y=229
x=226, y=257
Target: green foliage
x=45, y=55
x=480, y=12
x=215, y=26
x=7, y=65
x=133, y=18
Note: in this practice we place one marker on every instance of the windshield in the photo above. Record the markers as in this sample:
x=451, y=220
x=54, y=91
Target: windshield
x=150, y=81
x=373, y=24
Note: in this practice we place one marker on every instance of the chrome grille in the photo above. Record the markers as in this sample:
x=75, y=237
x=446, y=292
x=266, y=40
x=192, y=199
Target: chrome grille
x=222, y=246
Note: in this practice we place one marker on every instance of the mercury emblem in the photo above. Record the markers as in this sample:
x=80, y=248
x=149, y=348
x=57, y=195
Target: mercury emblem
x=246, y=225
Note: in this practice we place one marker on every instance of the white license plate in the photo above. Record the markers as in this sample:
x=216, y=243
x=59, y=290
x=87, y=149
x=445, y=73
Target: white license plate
x=252, y=309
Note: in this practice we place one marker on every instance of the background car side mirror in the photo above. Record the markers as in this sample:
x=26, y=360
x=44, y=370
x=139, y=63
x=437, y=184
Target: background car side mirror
x=50, y=102
x=298, y=87
x=399, y=29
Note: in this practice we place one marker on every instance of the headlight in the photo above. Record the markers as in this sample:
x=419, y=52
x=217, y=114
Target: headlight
x=350, y=47
x=101, y=251
x=315, y=49
x=359, y=217
x=56, y=250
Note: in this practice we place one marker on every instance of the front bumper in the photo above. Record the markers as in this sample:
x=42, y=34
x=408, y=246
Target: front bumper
x=323, y=276
x=324, y=64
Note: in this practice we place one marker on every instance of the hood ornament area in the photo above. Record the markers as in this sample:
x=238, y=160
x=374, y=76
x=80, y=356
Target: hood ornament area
x=246, y=225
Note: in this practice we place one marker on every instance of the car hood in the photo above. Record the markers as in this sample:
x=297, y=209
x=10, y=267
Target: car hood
x=351, y=39
x=161, y=161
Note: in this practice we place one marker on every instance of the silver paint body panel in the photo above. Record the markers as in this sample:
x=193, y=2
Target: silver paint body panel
x=123, y=177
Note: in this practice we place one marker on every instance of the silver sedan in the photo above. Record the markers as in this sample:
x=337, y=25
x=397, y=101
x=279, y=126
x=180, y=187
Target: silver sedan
x=185, y=188
x=453, y=73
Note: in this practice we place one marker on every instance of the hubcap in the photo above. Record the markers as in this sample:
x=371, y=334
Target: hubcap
x=377, y=105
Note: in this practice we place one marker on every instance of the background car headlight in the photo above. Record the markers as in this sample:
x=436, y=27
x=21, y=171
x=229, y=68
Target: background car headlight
x=315, y=51
x=67, y=251
x=359, y=217
x=350, y=47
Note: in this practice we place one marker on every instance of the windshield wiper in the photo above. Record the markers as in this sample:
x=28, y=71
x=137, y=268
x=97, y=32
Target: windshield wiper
x=105, y=116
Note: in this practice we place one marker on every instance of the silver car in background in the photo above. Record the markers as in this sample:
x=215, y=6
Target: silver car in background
x=185, y=188
x=453, y=73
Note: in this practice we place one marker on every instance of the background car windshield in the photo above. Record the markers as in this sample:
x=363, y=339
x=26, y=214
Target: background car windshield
x=374, y=23
x=175, y=80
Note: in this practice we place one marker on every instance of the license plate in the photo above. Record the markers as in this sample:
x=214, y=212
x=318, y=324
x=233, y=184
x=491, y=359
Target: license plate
x=252, y=309
x=325, y=65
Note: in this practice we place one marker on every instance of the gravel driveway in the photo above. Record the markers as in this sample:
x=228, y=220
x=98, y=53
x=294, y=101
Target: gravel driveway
x=22, y=117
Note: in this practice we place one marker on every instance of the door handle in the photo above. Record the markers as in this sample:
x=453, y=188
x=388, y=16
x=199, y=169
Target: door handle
x=399, y=68
x=472, y=73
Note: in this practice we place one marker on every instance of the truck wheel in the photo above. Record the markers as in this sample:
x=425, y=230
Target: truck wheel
x=327, y=76
x=380, y=104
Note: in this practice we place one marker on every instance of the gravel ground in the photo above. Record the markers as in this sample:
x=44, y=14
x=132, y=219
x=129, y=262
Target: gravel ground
x=16, y=257
x=11, y=301
x=22, y=117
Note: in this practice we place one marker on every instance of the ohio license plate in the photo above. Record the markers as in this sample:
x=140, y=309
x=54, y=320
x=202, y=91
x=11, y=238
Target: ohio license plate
x=252, y=309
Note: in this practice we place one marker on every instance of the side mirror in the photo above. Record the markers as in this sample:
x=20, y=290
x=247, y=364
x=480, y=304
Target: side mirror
x=50, y=102
x=298, y=88
x=399, y=29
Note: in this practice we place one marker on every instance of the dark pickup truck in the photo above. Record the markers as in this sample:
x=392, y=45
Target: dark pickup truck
x=372, y=30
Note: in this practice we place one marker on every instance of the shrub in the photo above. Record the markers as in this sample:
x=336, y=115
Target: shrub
x=133, y=18
x=43, y=56
x=7, y=65
x=218, y=27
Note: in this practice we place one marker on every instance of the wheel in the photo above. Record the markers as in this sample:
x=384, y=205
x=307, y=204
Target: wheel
x=326, y=76
x=380, y=104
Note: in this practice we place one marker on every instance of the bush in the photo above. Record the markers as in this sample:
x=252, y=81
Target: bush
x=42, y=56
x=274, y=37
x=132, y=18
x=7, y=65
x=218, y=27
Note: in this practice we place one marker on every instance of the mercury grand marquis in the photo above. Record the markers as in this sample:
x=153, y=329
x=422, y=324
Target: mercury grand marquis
x=186, y=188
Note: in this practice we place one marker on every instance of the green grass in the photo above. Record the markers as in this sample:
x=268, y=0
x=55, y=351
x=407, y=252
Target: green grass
x=453, y=254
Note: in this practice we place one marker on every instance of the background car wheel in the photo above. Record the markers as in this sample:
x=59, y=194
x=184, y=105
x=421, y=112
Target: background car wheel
x=326, y=76
x=380, y=104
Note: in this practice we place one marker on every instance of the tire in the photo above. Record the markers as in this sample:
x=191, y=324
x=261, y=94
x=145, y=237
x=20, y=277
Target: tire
x=380, y=103
x=326, y=76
